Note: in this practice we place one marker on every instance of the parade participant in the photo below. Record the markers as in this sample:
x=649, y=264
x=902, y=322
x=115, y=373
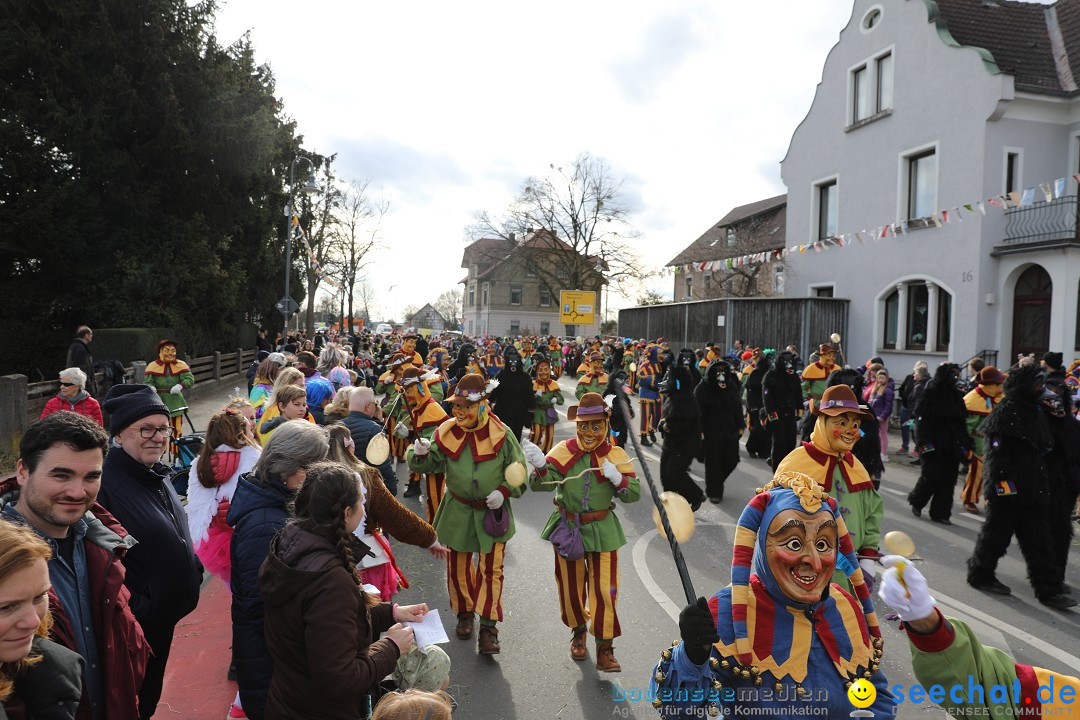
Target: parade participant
x=979, y=402
x=620, y=429
x=408, y=348
x=711, y=354
x=759, y=442
x=474, y=449
x=425, y=416
x=555, y=355
x=493, y=361
x=594, y=378
x=512, y=400
x=527, y=354
x=322, y=628
x=722, y=424
x=782, y=399
x=229, y=451
x=169, y=377
x=681, y=428
x=390, y=385
x=1017, y=490
x=162, y=572
x=73, y=397
x=629, y=365
x=587, y=473
x=868, y=447
x=828, y=459
x=649, y=396
x=946, y=653
x=779, y=640
x=548, y=394
x=942, y=441
x=816, y=373
x=1063, y=468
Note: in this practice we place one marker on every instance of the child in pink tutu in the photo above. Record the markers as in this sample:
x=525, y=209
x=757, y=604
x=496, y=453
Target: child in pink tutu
x=230, y=451
x=382, y=513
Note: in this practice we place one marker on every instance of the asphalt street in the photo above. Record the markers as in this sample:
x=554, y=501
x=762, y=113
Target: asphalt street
x=534, y=677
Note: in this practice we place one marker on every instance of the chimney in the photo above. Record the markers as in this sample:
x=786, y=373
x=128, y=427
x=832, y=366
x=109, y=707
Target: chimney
x=513, y=237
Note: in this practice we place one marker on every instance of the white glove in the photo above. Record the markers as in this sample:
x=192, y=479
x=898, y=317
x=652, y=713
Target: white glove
x=611, y=472
x=176, y=389
x=495, y=500
x=912, y=603
x=401, y=430
x=539, y=393
x=421, y=447
x=534, y=454
x=869, y=568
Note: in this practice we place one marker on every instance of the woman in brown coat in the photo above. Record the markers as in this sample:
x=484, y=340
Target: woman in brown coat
x=319, y=623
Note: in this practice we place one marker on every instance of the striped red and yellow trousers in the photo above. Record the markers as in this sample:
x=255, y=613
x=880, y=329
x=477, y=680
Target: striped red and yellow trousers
x=477, y=587
x=973, y=481
x=589, y=590
x=434, y=489
x=650, y=415
x=544, y=436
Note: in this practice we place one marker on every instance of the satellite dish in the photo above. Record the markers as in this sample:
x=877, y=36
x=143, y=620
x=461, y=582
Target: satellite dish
x=378, y=450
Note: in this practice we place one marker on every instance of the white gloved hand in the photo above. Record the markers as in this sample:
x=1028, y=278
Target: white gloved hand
x=869, y=568
x=912, y=603
x=401, y=430
x=495, y=500
x=534, y=454
x=611, y=472
x=421, y=447
x=539, y=393
x=176, y=389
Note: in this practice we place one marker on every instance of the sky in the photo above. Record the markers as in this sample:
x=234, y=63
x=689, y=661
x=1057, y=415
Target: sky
x=446, y=108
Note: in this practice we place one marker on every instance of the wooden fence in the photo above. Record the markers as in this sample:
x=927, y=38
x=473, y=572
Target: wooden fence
x=764, y=322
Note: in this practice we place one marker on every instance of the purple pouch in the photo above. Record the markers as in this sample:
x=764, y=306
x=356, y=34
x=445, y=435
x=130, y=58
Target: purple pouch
x=497, y=522
x=552, y=416
x=567, y=541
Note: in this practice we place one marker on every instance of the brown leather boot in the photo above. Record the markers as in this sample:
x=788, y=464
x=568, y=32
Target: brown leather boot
x=605, y=658
x=488, y=642
x=465, y=625
x=578, y=650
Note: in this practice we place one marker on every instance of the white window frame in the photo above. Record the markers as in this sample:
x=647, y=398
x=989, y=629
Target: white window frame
x=485, y=294
x=815, y=203
x=521, y=296
x=902, y=310
x=542, y=303
x=810, y=289
x=904, y=177
x=778, y=278
x=870, y=66
x=877, y=22
x=1019, y=179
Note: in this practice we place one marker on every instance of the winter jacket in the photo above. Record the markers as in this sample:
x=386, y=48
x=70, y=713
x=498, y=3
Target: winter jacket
x=363, y=428
x=122, y=648
x=881, y=405
x=163, y=573
x=259, y=509
x=50, y=688
x=82, y=404
x=319, y=632
x=78, y=355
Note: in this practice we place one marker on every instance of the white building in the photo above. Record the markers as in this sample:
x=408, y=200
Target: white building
x=925, y=107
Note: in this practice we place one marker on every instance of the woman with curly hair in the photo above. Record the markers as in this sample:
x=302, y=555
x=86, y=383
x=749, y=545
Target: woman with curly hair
x=320, y=624
x=48, y=675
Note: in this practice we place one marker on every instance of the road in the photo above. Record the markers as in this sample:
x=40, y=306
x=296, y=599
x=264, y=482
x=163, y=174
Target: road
x=535, y=679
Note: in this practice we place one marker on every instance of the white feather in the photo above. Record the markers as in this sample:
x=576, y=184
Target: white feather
x=491, y=385
x=429, y=375
x=610, y=401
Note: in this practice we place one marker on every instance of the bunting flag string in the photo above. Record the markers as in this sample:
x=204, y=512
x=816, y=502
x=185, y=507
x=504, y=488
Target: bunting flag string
x=1049, y=191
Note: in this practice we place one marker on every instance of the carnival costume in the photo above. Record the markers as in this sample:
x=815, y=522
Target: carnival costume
x=942, y=441
x=722, y=424
x=425, y=416
x=754, y=649
x=759, y=441
x=587, y=474
x=648, y=394
x=595, y=379
x=493, y=362
x=170, y=376
x=392, y=403
x=816, y=374
x=681, y=428
x=555, y=355
x=548, y=394
x=781, y=395
x=828, y=459
x=979, y=402
x=473, y=450
x=513, y=400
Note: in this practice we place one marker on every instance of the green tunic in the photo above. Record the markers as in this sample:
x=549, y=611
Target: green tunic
x=591, y=383
x=164, y=383
x=546, y=400
x=862, y=513
x=459, y=526
x=588, y=493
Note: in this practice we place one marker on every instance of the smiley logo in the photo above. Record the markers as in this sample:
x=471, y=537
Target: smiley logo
x=862, y=693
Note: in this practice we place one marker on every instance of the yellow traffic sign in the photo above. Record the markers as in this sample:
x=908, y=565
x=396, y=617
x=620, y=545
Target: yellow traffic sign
x=578, y=307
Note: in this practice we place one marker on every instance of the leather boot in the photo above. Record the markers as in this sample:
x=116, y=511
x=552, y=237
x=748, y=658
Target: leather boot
x=413, y=489
x=645, y=441
x=465, y=625
x=605, y=658
x=488, y=642
x=578, y=649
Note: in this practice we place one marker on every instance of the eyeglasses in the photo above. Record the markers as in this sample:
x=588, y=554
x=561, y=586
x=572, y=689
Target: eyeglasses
x=149, y=432
x=64, y=384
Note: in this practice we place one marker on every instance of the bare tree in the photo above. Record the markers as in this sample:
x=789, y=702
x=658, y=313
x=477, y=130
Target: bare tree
x=450, y=305
x=651, y=297
x=570, y=227
x=409, y=311
x=359, y=220
x=365, y=295
x=322, y=209
x=745, y=278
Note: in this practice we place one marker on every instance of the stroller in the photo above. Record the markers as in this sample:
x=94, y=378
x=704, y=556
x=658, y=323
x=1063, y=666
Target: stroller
x=187, y=448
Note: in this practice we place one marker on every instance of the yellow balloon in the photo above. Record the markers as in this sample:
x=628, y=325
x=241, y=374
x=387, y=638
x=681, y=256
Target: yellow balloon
x=515, y=474
x=378, y=450
x=898, y=542
x=680, y=516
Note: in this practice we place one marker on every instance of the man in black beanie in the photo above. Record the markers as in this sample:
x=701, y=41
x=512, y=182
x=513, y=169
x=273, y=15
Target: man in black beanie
x=163, y=573
x=1052, y=363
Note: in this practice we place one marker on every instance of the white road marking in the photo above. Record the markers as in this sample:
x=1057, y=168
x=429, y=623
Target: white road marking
x=642, y=568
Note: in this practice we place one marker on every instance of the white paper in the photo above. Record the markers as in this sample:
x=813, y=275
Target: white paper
x=429, y=631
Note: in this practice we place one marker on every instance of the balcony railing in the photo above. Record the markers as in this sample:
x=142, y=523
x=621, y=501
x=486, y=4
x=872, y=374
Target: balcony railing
x=1042, y=222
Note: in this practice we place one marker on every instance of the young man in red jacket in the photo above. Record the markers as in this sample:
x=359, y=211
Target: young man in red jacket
x=55, y=489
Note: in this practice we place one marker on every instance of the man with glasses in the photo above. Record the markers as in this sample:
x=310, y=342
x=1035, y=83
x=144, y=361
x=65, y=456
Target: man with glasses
x=362, y=410
x=163, y=573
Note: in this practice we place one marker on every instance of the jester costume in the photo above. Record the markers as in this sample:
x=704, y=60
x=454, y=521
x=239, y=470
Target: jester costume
x=493, y=361
x=979, y=402
x=165, y=375
x=555, y=353
x=628, y=359
x=594, y=379
x=473, y=451
x=587, y=578
x=649, y=394
x=425, y=416
x=548, y=395
x=393, y=404
x=816, y=374
x=776, y=655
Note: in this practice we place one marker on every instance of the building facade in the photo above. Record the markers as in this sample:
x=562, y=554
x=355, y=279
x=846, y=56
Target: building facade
x=428, y=320
x=934, y=151
x=506, y=293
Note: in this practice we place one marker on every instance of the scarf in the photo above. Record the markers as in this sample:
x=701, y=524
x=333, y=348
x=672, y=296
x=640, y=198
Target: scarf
x=485, y=440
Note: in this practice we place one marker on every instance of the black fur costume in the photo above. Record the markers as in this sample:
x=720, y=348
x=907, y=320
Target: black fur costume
x=1063, y=465
x=681, y=428
x=459, y=367
x=781, y=393
x=616, y=423
x=1018, y=441
x=513, y=400
x=942, y=441
x=758, y=442
x=868, y=448
x=722, y=423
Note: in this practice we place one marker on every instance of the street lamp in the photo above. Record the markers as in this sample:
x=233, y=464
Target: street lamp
x=311, y=187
